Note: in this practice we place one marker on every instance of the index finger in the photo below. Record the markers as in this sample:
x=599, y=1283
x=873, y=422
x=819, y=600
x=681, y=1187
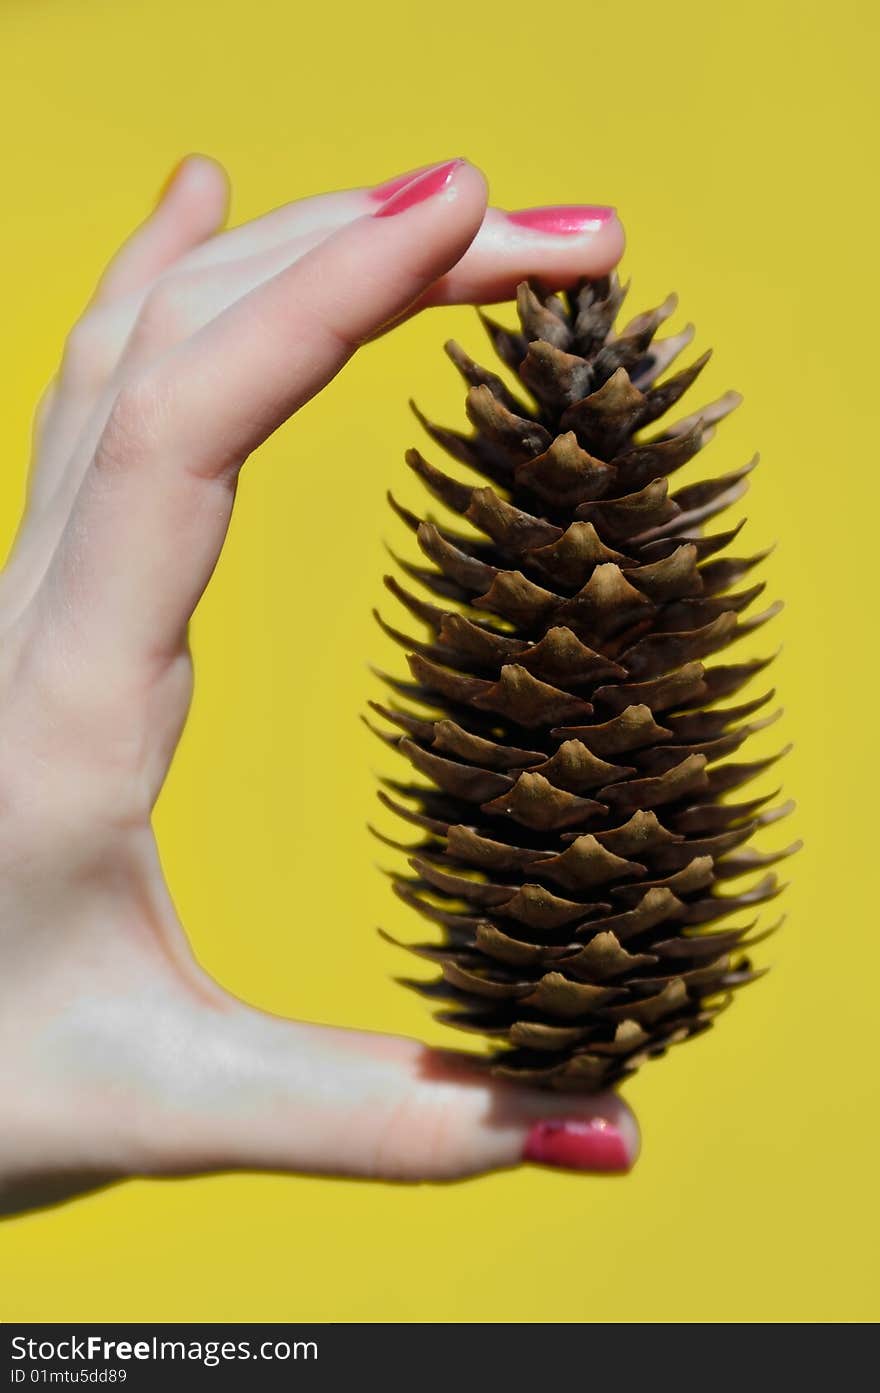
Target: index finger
x=151, y=515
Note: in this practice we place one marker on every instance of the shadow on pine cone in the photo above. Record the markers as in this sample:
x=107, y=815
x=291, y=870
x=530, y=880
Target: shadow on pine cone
x=578, y=829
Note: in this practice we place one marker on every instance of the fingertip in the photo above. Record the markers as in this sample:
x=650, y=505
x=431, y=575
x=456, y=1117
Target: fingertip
x=206, y=171
x=593, y=1146
x=380, y=193
x=199, y=180
x=602, y=1138
x=558, y=254
x=627, y=1124
x=562, y=243
x=476, y=182
x=492, y=1124
x=471, y=196
x=454, y=183
x=610, y=245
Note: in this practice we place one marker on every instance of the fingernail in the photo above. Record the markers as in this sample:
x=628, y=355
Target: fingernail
x=380, y=192
x=171, y=179
x=425, y=185
x=595, y=1145
x=564, y=220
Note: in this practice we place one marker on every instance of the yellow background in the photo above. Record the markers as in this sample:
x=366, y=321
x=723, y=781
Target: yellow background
x=738, y=142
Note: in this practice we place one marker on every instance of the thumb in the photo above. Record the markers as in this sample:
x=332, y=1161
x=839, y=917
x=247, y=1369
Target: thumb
x=260, y=1093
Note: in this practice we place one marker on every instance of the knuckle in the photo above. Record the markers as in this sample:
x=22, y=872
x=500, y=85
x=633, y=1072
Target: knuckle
x=165, y=314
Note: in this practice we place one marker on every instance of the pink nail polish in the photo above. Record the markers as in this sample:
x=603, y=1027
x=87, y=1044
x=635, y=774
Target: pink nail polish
x=380, y=192
x=564, y=220
x=425, y=185
x=594, y=1145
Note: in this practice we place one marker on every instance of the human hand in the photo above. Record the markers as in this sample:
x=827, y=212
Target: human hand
x=119, y=1056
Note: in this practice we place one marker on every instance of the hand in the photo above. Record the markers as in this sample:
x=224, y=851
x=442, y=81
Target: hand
x=119, y=1056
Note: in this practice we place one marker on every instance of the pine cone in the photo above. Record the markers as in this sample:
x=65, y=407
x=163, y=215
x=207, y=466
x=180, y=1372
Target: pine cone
x=576, y=833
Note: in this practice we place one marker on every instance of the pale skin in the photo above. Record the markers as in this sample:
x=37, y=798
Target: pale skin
x=119, y=1055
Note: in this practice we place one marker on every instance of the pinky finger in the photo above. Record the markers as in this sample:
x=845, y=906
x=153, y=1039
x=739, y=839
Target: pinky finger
x=192, y=206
